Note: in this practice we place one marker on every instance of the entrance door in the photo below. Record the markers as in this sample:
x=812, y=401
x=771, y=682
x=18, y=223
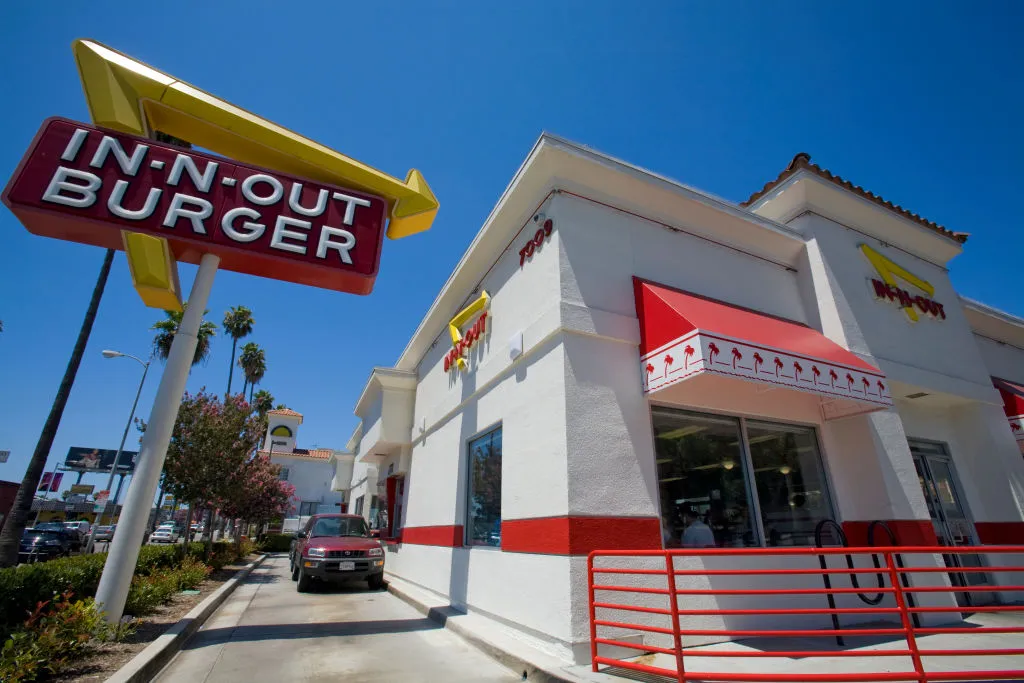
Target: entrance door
x=953, y=526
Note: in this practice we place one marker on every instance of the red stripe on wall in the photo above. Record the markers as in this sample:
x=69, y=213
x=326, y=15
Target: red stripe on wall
x=447, y=536
x=908, y=532
x=580, y=535
x=1000, y=533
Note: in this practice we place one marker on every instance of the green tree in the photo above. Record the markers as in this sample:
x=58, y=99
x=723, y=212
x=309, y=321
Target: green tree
x=238, y=323
x=14, y=524
x=167, y=328
x=253, y=361
x=262, y=402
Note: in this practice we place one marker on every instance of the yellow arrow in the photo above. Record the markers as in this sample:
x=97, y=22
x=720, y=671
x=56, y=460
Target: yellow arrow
x=129, y=96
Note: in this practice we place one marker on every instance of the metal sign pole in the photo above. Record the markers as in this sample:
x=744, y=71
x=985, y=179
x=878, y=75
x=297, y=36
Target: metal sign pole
x=124, y=548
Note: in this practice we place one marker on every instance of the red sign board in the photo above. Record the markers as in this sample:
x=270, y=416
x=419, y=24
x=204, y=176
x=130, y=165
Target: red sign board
x=86, y=184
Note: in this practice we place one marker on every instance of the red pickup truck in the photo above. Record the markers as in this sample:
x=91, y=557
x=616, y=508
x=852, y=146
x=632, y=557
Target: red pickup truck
x=336, y=548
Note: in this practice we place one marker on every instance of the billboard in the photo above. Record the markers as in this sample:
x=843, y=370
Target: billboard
x=99, y=460
x=82, y=489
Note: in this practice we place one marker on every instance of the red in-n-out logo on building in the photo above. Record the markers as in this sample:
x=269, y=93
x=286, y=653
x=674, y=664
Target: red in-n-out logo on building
x=463, y=341
x=885, y=287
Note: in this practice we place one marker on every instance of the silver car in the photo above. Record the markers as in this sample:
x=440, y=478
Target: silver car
x=105, y=532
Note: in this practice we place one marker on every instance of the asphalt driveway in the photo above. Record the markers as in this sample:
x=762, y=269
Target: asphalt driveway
x=266, y=631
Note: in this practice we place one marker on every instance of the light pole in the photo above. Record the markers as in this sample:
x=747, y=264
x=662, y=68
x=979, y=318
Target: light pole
x=120, y=449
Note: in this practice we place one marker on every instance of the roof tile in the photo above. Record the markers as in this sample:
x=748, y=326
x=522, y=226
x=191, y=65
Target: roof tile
x=802, y=161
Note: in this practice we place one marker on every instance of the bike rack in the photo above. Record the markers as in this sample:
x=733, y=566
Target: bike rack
x=874, y=600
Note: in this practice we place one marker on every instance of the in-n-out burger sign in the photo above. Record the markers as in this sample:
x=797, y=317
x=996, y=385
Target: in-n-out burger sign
x=463, y=342
x=886, y=288
x=85, y=184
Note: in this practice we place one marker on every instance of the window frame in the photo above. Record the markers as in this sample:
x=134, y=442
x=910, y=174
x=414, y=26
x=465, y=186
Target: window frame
x=466, y=543
x=748, y=459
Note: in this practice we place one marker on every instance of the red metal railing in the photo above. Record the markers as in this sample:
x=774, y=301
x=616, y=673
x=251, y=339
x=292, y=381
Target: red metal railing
x=919, y=604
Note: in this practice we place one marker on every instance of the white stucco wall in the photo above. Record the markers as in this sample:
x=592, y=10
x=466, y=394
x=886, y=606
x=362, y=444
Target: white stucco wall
x=1001, y=359
x=312, y=480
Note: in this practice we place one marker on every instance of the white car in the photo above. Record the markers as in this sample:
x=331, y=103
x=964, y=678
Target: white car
x=165, y=533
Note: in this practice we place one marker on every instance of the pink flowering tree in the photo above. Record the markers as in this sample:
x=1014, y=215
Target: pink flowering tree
x=258, y=494
x=211, y=443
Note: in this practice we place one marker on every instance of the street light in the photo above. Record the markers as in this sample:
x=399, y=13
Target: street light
x=117, y=458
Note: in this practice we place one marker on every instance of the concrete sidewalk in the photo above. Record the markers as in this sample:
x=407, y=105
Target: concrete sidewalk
x=266, y=631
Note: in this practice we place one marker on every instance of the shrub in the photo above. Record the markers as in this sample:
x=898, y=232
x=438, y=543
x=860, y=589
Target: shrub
x=191, y=573
x=276, y=543
x=56, y=634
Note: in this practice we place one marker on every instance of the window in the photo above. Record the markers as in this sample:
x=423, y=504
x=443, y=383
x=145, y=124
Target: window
x=339, y=526
x=308, y=508
x=483, y=514
x=374, y=511
x=359, y=505
x=283, y=474
x=708, y=484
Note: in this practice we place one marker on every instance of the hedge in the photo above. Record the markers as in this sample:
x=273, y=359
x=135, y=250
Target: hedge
x=24, y=586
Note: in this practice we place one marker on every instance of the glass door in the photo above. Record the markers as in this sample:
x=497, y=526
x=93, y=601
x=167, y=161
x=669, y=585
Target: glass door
x=953, y=526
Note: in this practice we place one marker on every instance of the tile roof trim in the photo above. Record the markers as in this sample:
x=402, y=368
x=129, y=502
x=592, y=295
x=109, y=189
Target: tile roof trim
x=802, y=161
x=312, y=454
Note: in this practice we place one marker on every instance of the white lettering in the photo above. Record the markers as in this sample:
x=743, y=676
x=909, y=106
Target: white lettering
x=280, y=233
x=343, y=247
x=255, y=230
x=86, y=193
x=272, y=198
x=117, y=196
x=176, y=210
x=350, y=205
x=129, y=166
x=74, y=144
x=296, y=194
x=184, y=162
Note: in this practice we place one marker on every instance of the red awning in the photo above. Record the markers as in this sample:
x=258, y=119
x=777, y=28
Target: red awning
x=1013, y=405
x=683, y=335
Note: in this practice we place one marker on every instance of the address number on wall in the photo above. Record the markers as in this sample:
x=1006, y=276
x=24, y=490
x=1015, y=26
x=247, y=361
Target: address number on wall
x=536, y=242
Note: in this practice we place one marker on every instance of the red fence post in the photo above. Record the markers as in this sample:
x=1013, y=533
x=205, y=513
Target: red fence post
x=908, y=626
x=670, y=570
x=593, y=611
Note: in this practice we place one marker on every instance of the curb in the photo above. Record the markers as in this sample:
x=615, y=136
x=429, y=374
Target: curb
x=531, y=670
x=147, y=664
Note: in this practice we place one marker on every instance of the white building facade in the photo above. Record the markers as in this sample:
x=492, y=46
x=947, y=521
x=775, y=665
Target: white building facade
x=615, y=350
x=311, y=471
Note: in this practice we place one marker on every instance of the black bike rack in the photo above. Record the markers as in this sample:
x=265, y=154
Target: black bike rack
x=880, y=575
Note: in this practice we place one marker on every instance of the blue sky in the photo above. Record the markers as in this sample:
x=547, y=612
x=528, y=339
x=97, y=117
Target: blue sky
x=918, y=101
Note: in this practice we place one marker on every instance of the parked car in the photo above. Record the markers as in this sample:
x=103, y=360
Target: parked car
x=336, y=547
x=105, y=532
x=165, y=533
x=38, y=545
x=80, y=531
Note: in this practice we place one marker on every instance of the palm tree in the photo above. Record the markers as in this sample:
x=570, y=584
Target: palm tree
x=14, y=524
x=253, y=362
x=263, y=401
x=168, y=327
x=238, y=323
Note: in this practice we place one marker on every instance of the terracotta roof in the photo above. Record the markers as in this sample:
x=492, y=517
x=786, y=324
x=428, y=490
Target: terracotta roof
x=286, y=411
x=802, y=161
x=315, y=454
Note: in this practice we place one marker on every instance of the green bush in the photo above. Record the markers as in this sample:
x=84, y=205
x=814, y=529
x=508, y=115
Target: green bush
x=276, y=543
x=191, y=573
x=55, y=635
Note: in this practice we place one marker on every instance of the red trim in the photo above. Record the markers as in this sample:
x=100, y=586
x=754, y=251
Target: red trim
x=447, y=536
x=1000, y=533
x=1013, y=396
x=908, y=532
x=579, y=535
x=667, y=314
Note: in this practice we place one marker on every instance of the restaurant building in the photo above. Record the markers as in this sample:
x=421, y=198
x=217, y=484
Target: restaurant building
x=616, y=349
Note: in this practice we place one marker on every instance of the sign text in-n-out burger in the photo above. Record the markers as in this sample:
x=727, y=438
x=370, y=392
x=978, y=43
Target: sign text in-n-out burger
x=85, y=184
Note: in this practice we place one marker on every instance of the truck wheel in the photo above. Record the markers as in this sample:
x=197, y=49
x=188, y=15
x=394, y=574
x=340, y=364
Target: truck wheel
x=375, y=581
x=305, y=582
x=295, y=572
